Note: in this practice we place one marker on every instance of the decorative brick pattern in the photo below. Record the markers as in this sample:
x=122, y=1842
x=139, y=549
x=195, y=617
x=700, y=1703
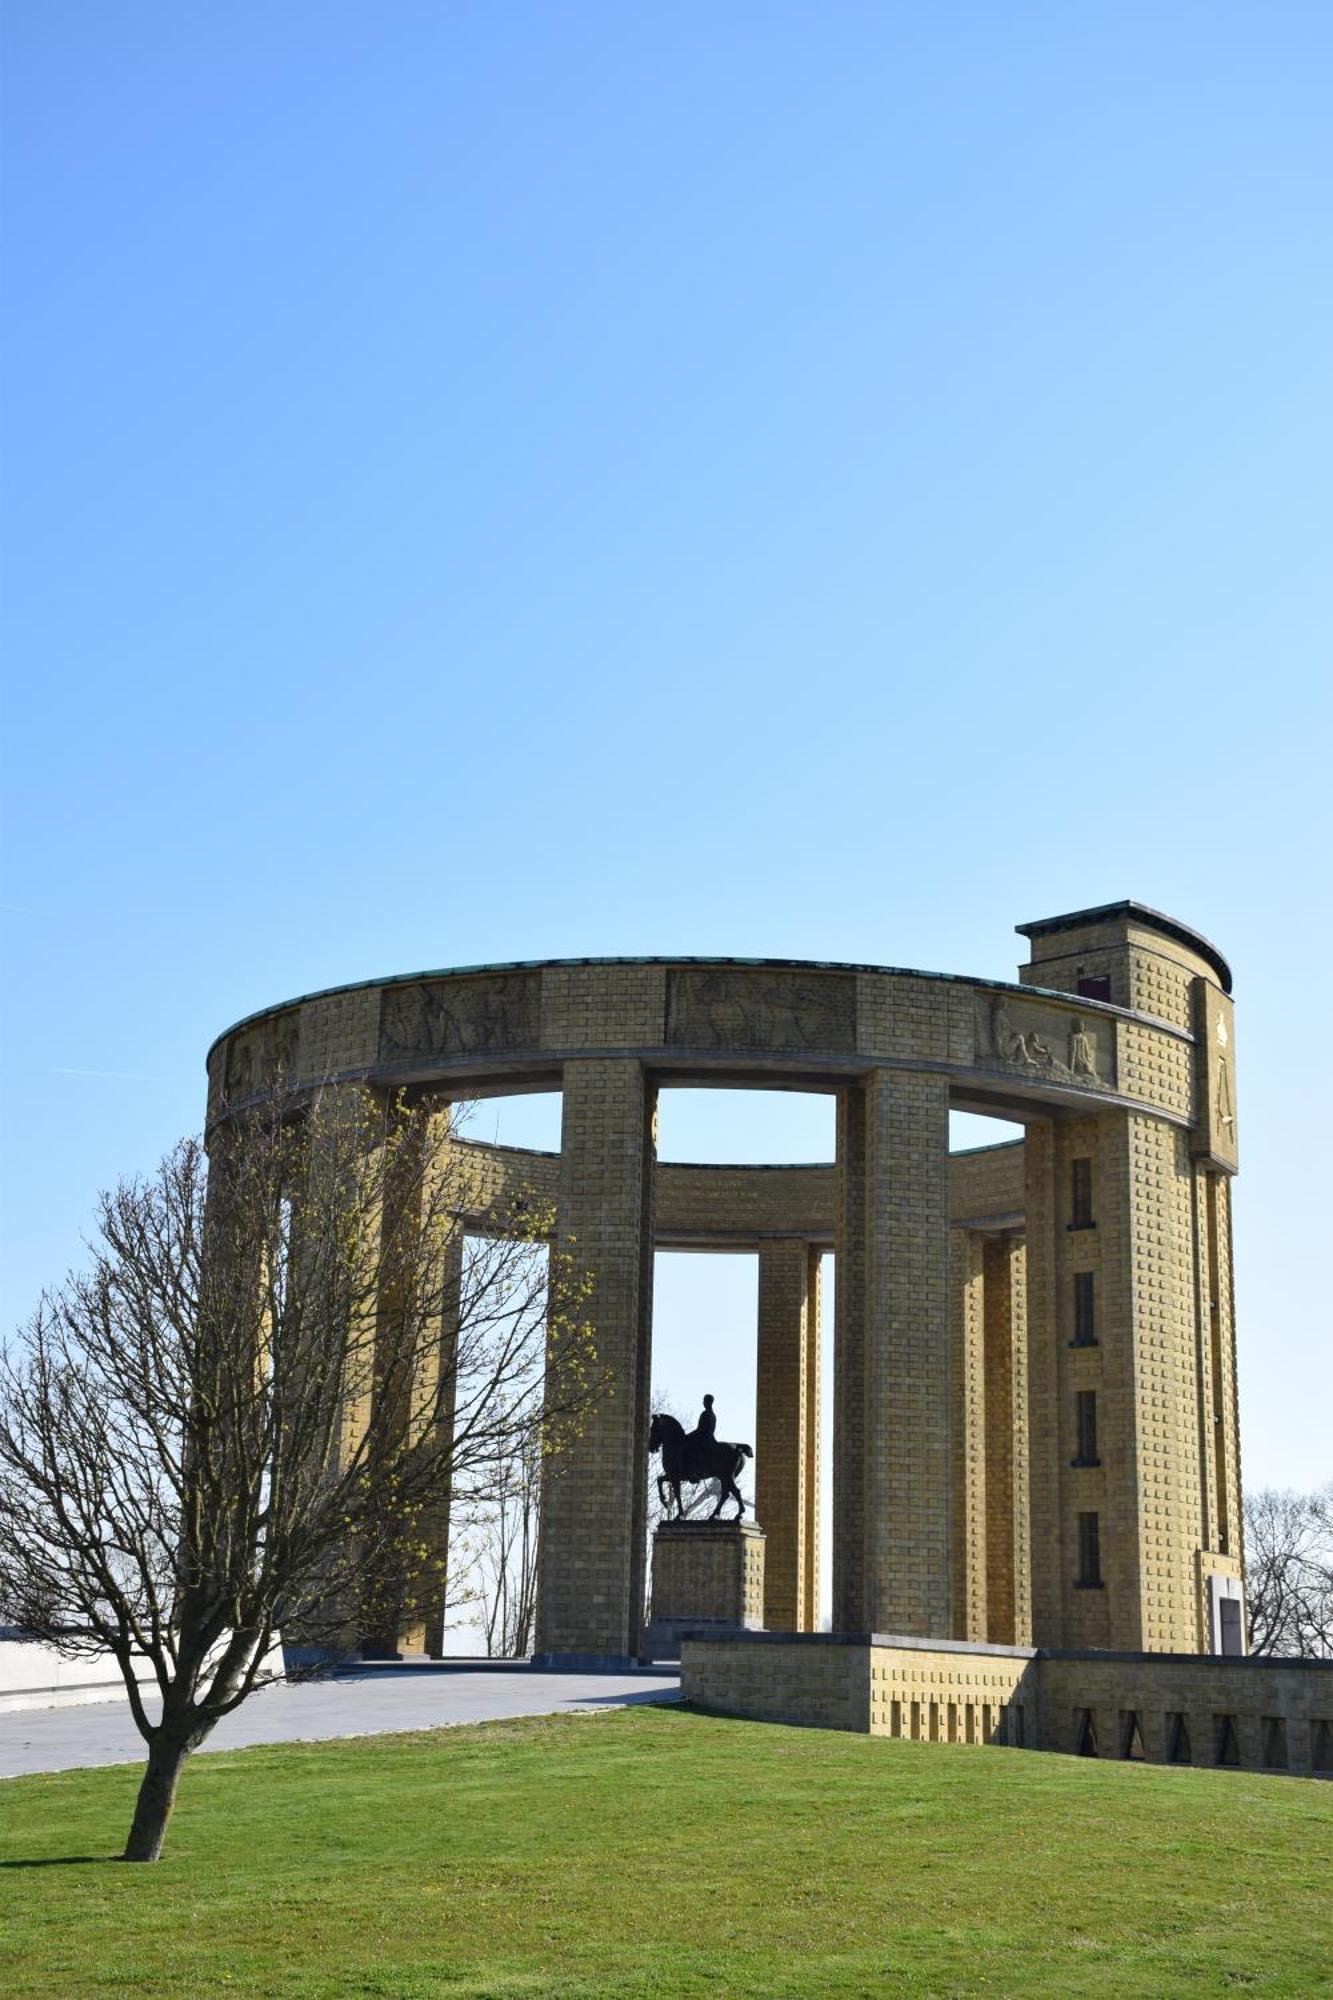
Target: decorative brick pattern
x=712, y=1571
x=967, y=1414
x=1008, y=1551
x=593, y=1006
x=339, y=1035
x=906, y=1376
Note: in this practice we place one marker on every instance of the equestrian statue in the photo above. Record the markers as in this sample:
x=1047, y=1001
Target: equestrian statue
x=691, y=1457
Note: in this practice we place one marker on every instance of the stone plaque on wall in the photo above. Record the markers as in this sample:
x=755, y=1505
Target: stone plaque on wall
x=258, y=1057
x=460, y=1017
x=1038, y=1042
x=730, y=1007
x=1214, y=1075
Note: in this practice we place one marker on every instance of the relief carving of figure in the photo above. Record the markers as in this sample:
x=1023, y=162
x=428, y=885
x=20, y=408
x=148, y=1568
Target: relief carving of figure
x=1226, y=1118
x=451, y=1020
x=241, y=1067
x=1082, y=1053
x=742, y=1009
x=1030, y=1051
x=1005, y=1039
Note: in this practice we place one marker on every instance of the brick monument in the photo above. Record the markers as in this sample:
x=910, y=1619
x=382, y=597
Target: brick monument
x=1034, y=1425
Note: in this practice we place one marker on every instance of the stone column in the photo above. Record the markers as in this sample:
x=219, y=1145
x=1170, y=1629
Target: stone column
x=787, y=1427
x=594, y=1502
x=892, y=1481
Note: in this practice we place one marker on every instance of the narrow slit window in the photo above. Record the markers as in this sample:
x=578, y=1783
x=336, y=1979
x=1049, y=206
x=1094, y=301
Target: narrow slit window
x=1081, y=1195
x=1085, y=1316
x=1228, y=1746
x=1089, y=1551
x=1178, y=1740
x=1085, y=1405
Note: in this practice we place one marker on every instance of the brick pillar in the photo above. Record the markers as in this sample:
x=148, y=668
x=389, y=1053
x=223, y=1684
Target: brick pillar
x=813, y=1427
x=1045, y=1329
x=1008, y=1567
x=849, y=1432
x=414, y=1592
x=787, y=1427
x=594, y=1502
x=969, y=1435
x=892, y=1478
x=440, y=1390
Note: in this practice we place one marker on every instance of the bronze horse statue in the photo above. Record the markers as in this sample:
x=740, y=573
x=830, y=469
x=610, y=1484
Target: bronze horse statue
x=690, y=1459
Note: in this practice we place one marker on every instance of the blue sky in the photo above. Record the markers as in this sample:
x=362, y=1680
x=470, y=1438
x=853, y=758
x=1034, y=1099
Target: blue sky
x=497, y=482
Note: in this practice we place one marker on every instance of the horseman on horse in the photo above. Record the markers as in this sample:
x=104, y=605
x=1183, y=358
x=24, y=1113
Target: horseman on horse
x=692, y=1457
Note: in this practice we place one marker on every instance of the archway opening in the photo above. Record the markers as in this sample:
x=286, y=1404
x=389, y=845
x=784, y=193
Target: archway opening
x=706, y=1298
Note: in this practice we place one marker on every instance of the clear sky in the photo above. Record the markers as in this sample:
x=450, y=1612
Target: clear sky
x=490, y=482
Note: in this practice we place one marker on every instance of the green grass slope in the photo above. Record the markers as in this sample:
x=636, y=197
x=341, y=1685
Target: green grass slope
x=655, y=1852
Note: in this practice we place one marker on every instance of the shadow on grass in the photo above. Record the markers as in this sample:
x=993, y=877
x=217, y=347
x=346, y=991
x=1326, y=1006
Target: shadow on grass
x=65, y=1861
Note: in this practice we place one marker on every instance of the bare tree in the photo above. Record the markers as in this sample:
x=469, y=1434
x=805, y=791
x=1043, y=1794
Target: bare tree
x=254, y=1407
x=507, y=1546
x=1289, y=1573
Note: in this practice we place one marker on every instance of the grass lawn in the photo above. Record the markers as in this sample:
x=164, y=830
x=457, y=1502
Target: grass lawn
x=657, y=1852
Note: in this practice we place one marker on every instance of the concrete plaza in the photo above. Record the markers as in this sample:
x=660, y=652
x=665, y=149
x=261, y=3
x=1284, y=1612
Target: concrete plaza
x=352, y=1704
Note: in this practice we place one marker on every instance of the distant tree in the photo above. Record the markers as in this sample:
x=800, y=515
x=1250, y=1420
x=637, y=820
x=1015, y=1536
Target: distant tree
x=251, y=1408
x=505, y=1548
x=1289, y=1573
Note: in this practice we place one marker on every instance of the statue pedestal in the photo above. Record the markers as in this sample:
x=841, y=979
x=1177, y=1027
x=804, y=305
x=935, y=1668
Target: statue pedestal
x=707, y=1576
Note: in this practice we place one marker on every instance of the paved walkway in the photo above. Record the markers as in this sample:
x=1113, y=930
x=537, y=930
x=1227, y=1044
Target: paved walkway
x=61, y=1739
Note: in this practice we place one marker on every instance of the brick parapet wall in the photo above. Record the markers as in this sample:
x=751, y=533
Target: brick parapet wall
x=1274, y=1715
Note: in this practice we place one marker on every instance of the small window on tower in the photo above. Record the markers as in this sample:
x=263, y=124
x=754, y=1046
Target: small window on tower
x=1094, y=986
x=1089, y=1552
x=1081, y=1195
x=1086, y=1412
x=1085, y=1318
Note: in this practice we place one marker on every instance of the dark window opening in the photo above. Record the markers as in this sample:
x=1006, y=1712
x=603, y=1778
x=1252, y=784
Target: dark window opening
x=1085, y=1403
x=1081, y=1195
x=1177, y=1740
x=1275, y=1743
x=1228, y=1745
x=1094, y=986
x=1089, y=1551
x=1087, y=1735
x=1233, y=1644
x=1085, y=1318
x=1131, y=1738
x=1321, y=1750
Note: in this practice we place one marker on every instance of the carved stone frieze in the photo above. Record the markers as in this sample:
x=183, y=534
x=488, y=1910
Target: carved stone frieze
x=1035, y=1042
x=743, y=1008
x=260, y=1056
x=454, y=1017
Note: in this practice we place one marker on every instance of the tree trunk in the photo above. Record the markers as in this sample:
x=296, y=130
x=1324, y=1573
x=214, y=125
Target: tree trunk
x=157, y=1795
